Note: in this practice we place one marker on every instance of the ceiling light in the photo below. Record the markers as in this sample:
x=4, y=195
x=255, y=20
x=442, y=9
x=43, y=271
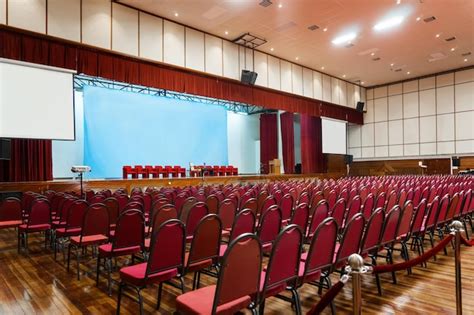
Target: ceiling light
x=408, y=72
x=343, y=75
x=465, y=59
x=388, y=23
x=453, y=49
x=325, y=29
x=391, y=65
x=297, y=58
x=344, y=38
x=280, y=5
x=271, y=49
x=399, y=1
x=437, y=35
x=372, y=54
x=322, y=68
x=418, y=19
x=362, y=82
x=226, y=32
x=176, y=14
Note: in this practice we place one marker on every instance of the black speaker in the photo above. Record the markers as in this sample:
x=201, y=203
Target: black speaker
x=298, y=168
x=5, y=149
x=248, y=77
x=360, y=107
x=455, y=161
x=348, y=159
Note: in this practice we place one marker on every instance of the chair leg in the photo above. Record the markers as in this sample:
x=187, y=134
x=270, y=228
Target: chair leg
x=377, y=278
x=26, y=242
x=160, y=291
x=296, y=301
x=183, y=288
x=432, y=243
x=465, y=229
x=68, y=256
x=140, y=300
x=97, y=272
x=119, y=298
x=19, y=241
x=78, y=257
x=194, y=280
x=390, y=258
x=109, y=276
x=198, y=280
x=261, y=307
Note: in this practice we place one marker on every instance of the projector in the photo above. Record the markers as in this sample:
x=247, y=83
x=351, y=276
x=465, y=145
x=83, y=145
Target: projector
x=80, y=169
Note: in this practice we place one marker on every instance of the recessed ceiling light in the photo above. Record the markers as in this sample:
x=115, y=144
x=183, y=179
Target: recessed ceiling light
x=437, y=35
x=362, y=82
x=322, y=68
x=418, y=19
x=453, y=49
x=343, y=75
x=176, y=14
x=465, y=60
x=399, y=1
x=388, y=23
x=280, y=5
x=344, y=38
x=408, y=72
x=297, y=58
x=271, y=49
x=391, y=65
x=325, y=29
x=226, y=32
x=372, y=54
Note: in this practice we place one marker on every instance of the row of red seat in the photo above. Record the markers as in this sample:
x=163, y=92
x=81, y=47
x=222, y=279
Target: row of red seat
x=147, y=171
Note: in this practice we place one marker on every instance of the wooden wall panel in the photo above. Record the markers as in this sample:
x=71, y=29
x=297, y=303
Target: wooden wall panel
x=399, y=167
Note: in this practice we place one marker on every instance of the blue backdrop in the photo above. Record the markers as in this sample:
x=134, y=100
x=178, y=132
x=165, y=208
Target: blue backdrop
x=122, y=128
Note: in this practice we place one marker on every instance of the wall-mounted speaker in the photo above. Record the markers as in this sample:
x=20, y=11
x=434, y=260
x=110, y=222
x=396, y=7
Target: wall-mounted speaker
x=5, y=149
x=360, y=107
x=456, y=161
x=348, y=159
x=248, y=77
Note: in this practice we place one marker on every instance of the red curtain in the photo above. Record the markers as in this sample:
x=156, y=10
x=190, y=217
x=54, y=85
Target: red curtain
x=288, y=142
x=312, y=158
x=31, y=160
x=268, y=140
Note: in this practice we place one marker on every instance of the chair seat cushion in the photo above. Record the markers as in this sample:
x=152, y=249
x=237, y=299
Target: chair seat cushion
x=10, y=224
x=222, y=250
x=89, y=239
x=34, y=228
x=135, y=275
x=226, y=233
x=200, y=302
x=106, y=250
x=63, y=232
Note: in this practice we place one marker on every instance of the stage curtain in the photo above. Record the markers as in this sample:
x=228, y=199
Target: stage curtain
x=288, y=142
x=268, y=140
x=312, y=158
x=31, y=160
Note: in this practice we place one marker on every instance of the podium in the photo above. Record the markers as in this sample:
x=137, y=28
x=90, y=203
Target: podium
x=275, y=168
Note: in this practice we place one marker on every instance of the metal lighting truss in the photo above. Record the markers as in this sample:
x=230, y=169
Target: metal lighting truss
x=82, y=80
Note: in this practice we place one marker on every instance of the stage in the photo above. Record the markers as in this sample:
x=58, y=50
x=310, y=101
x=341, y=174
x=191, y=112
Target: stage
x=97, y=184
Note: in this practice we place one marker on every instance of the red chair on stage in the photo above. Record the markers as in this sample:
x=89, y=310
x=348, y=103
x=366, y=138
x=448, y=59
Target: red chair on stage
x=39, y=220
x=164, y=263
x=10, y=213
x=141, y=171
x=237, y=285
x=215, y=170
x=222, y=171
x=128, y=170
x=180, y=171
x=128, y=240
x=152, y=171
x=167, y=171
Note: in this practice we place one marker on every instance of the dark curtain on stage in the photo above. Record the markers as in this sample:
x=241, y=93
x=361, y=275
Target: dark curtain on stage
x=312, y=158
x=268, y=140
x=288, y=142
x=31, y=160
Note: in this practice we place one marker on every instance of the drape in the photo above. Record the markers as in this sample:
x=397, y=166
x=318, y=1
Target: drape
x=288, y=142
x=268, y=141
x=312, y=158
x=31, y=160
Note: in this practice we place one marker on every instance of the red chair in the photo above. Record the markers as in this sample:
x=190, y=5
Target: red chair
x=300, y=216
x=350, y=241
x=94, y=232
x=227, y=213
x=286, y=205
x=237, y=285
x=320, y=213
x=269, y=227
x=39, y=220
x=404, y=229
x=212, y=203
x=185, y=207
x=353, y=208
x=150, y=170
x=244, y=223
x=128, y=240
x=164, y=263
x=368, y=206
x=113, y=207
x=267, y=203
x=222, y=171
x=229, y=170
x=128, y=170
x=163, y=214
x=196, y=213
x=10, y=213
x=338, y=212
x=140, y=170
x=250, y=204
x=283, y=267
x=205, y=247
x=235, y=171
x=167, y=171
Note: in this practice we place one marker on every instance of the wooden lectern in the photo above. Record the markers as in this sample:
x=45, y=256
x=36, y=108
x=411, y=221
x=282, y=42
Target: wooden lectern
x=275, y=167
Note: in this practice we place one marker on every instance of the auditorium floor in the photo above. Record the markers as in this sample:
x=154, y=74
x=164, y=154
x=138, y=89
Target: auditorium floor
x=38, y=284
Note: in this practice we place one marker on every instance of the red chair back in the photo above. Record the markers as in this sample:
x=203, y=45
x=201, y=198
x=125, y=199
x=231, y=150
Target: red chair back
x=10, y=209
x=452, y=208
x=332, y=198
x=443, y=209
x=392, y=219
x=130, y=230
x=206, y=240
x=240, y=272
x=183, y=212
x=75, y=214
x=269, y=202
x=380, y=201
x=404, y=226
x=270, y=225
x=432, y=214
x=286, y=206
x=122, y=200
x=97, y=199
x=351, y=239
x=338, y=211
x=392, y=200
x=419, y=217
x=301, y=216
x=368, y=206
x=114, y=209
x=373, y=231
x=303, y=198
x=320, y=213
x=353, y=208
x=251, y=204
x=40, y=212
x=163, y=214
x=316, y=198
x=95, y=221
x=227, y=212
x=212, y=203
x=244, y=223
x=196, y=213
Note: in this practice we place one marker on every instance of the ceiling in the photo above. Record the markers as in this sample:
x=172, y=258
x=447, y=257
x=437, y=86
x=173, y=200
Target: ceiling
x=284, y=24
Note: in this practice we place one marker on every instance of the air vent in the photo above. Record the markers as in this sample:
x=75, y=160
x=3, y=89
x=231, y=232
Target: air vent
x=466, y=54
x=376, y=59
x=313, y=27
x=429, y=19
x=398, y=70
x=265, y=3
x=450, y=39
x=349, y=45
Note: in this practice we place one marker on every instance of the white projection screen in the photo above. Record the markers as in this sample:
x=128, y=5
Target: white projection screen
x=36, y=102
x=334, y=136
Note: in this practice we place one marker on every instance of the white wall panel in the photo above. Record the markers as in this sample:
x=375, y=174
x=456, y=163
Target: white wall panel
x=464, y=96
x=368, y=152
x=195, y=51
x=367, y=132
x=308, y=82
x=446, y=147
x=428, y=102
x=96, y=23
x=465, y=146
x=354, y=138
x=395, y=132
x=213, y=54
x=410, y=86
x=355, y=152
x=369, y=115
x=395, y=89
x=335, y=90
x=274, y=80
x=231, y=60
x=410, y=105
x=410, y=131
x=428, y=129
x=350, y=97
x=317, y=85
x=395, y=150
x=380, y=92
x=173, y=43
x=343, y=93
x=248, y=60
x=445, y=79
x=465, y=125
x=151, y=37
x=380, y=109
x=445, y=100
x=285, y=72
x=370, y=94
x=28, y=14
x=261, y=67
x=326, y=88
x=381, y=133
x=445, y=127
x=427, y=83
x=395, y=107
x=124, y=29
x=3, y=11
x=464, y=76
x=381, y=151
x=297, y=79
x=428, y=148
x=64, y=19
x=411, y=149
